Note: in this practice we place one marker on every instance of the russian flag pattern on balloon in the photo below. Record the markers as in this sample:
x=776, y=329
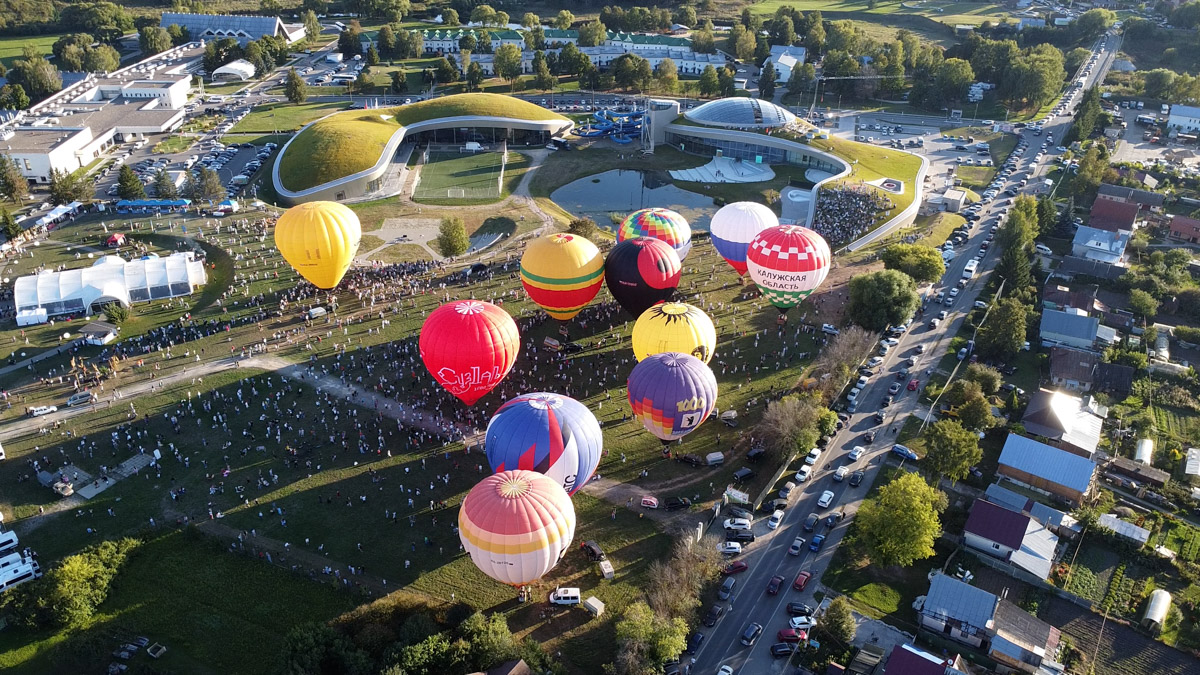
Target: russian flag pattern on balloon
x=787, y=263
x=672, y=394
x=734, y=226
x=548, y=433
x=663, y=224
x=516, y=525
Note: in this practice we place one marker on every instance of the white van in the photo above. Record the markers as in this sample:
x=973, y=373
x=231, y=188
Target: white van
x=19, y=574
x=8, y=542
x=565, y=596
x=81, y=398
x=1043, y=249
x=316, y=312
x=40, y=410
x=714, y=458
x=10, y=560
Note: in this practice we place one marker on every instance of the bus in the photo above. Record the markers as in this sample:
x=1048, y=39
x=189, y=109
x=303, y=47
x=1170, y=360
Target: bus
x=1146, y=120
x=970, y=269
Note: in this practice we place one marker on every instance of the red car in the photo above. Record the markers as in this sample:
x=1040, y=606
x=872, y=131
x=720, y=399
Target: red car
x=913, y=384
x=791, y=635
x=774, y=584
x=801, y=580
x=735, y=567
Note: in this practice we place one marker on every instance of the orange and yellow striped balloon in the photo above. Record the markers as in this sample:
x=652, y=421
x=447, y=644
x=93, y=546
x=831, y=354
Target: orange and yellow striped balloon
x=562, y=273
x=516, y=525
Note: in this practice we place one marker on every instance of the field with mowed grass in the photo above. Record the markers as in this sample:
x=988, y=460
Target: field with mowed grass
x=12, y=47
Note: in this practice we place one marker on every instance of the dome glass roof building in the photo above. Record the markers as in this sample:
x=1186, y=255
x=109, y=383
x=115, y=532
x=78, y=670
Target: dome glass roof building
x=740, y=113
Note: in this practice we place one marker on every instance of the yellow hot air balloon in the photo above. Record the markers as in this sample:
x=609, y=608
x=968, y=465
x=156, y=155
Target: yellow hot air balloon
x=674, y=327
x=319, y=240
x=562, y=273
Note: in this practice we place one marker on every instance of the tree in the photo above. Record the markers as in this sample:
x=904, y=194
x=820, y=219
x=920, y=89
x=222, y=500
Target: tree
x=987, y=377
x=372, y=57
x=204, y=187
x=350, y=41
x=1014, y=269
x=563, y=19
x=709, y=81
x=67, y=187
x=976, y=414
x=8, y=225
x=294, y=87
x=789, y=425
x=802, y=76
x=1046, y=214
x=951, y=450
x=445, y=71
x=1143, y=304
x=766, y=81
x=666, y=75
x=270, y=7
x=14, y=187
x=1092, y=23
x=953, y=77
x=841, y=356
x=883, y=298
x=542, y=78
x=13, y=97
x=900, y=525
x=164, y=187
x=38, y=76
x=1003, y=334
x=507, y=62
x=838, y=622
x=153, y=39
x=318, y=648
x=583, y=226
x=922, y=263
x=1087, y=116
x=656, y=637
x=475, y=76
x=312, y=25
x=592, y=34
x=452, y=237
x=450, y=17
x=1092, y=169
x=743, y=44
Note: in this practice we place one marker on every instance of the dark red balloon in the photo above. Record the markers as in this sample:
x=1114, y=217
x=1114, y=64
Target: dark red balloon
x=642, y=272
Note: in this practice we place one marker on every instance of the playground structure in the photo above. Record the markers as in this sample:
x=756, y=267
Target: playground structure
x=620, y=127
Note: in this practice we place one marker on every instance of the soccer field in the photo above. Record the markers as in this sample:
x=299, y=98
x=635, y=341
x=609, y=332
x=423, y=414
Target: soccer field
x=452, y=175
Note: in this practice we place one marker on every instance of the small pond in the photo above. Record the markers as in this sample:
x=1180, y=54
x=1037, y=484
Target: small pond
x=623, y=191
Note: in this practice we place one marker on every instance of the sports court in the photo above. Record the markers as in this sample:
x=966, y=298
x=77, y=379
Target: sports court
x=457, y=172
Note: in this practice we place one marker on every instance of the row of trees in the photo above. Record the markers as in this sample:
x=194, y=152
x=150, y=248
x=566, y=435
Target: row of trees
x=1023, y=77
x=265, y=53
x=69, y=593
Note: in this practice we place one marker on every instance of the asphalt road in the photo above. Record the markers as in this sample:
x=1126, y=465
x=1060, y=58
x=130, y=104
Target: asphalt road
x=768, y=555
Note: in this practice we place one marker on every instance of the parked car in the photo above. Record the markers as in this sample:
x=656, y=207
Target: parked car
x=802, y=623
x=804, y=473
x=856, y=478
x=739, y=512
x=904, y=452
x=797, y=546
x=840, y=474
x=826, y=499
x=782, y=649
x=801, y=580
x=810, y=523
x=816, y=543
x=676, y=503
x=714, y=614
x=593, y=551
x=774, y=521
x=735, y=568
x=729, y=548
x=737, y=524
x=727, y=587
x=791, y=635
x=800, y=609
x=774, y=584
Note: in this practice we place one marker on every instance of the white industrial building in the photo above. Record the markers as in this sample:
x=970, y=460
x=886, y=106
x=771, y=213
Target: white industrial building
x=687, y=62
x=76, y=125
x=1185, y=118
x=242, y=28
x=783, y=59
x=110, y=279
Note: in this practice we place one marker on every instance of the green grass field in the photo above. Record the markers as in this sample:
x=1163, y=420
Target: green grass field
x=283, y=117
x=12, y=47
x=449, y=176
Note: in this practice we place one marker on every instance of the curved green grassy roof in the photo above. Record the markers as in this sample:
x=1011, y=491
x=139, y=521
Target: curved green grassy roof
x=348, y=142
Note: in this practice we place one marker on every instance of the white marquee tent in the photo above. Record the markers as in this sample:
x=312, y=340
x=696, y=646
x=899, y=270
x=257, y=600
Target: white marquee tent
x=109, y=279
x=240, y=69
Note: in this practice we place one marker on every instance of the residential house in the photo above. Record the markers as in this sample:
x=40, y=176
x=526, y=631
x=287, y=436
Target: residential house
x=1070, y=267
x=1114, y=377
x=906, y=659
x=1185, y=118
x=1142, y=473
x=1191, y=464
x=1073, y=369
x=1151, y=201
x=1072, y=423
x=867, y=660
x=445, y=40
x=783, y=58
x=1072, y=328
x=1056, y=472
x=958, y=611
x=1124, y=528
x=1108, y=214
x=1062, y=298
x=1011, y=536
x=1104, y=245
x=1184, y=228
x=1058, y=522
x=1142, y=177
x=1006, y=633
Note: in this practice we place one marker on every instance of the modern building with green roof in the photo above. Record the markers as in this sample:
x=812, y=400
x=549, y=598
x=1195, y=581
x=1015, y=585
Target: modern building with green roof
x=344, y=156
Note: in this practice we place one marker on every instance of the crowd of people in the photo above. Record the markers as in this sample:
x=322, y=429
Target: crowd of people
x=845, y=213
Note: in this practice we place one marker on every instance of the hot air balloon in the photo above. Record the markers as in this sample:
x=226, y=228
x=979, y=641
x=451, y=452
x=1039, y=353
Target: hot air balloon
x=733, y=228
x=562, y=273
x=663, y=224
x=674, y=327
x=469, y=346
x=551, y=434
x=788, y=262
x=671, y=394
x=641, y=272
x=319, y=240
x=516, y=525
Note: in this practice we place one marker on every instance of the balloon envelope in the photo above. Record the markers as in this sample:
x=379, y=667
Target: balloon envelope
x=469, y=346
x=548, y=433
x=319, y=240
x=663, y=224
x=787, y=263
x=516, y=525
x=674, y=327
x=672, y=394
x=641, y=272
x=734, y=226
x=562, y=273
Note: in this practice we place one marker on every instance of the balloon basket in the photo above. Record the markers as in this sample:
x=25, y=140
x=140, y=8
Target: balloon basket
x=781, y=320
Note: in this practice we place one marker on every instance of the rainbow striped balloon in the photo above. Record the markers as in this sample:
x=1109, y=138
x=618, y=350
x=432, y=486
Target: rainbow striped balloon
x=516, y=525
x=562, y=273
x=663, y=224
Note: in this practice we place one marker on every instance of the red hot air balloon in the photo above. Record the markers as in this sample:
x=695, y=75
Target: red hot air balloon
x=642, y=272
x=469, y=346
